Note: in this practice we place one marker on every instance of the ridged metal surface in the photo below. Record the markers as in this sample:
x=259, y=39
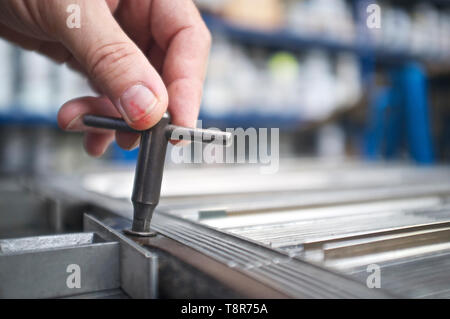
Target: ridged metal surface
x=261, y=225
x=292, y=233
x=293, y=277
x=416, y=268
x=415, y=277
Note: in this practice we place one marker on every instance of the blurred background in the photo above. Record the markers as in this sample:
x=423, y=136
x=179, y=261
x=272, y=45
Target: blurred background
x=313, y=68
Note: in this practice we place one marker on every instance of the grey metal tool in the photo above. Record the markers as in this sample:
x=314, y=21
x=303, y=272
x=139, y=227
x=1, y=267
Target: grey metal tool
x=150, y=163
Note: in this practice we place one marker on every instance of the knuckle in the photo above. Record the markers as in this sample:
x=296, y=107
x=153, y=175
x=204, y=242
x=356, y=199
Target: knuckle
x=31, y=15
x=109, y=58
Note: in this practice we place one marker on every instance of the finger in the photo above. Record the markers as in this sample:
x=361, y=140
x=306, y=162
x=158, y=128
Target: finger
x=97, y=143
x=133, y=17
x=127, y=140
x=156, y=56
x=179, y=30
x=70, y=118
x=115, y=64
x=70, y=115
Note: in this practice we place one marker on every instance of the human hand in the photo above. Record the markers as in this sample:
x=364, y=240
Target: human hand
x=142, y=56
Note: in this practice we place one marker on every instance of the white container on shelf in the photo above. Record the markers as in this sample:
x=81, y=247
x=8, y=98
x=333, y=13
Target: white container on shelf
x=7, y=76
x=71, y=84
x=37, y=87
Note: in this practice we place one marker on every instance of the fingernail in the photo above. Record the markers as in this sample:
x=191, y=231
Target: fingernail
x=76, y=124
x=137, y=102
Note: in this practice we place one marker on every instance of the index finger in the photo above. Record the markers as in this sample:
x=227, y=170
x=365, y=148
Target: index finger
x=179, y=30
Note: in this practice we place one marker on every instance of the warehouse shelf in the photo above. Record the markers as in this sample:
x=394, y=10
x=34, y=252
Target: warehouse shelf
x=277, y=38
x=292, y=41
x=280, y=39
x=244, y=120
x=250, y=119
x=27, y=118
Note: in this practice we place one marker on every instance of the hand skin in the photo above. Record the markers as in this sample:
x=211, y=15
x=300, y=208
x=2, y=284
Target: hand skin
x=138, y=54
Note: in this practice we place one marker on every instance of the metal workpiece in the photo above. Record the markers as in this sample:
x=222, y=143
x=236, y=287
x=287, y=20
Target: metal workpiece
x=30, y=244
x=317, y=245
x=150, y=163
x=138, y=266
x=42, y=266
x=290, y=276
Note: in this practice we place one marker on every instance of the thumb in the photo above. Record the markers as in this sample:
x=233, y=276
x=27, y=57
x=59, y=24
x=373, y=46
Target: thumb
x=116, y=65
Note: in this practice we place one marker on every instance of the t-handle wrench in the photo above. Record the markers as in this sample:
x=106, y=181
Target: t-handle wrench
x=150, y=162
